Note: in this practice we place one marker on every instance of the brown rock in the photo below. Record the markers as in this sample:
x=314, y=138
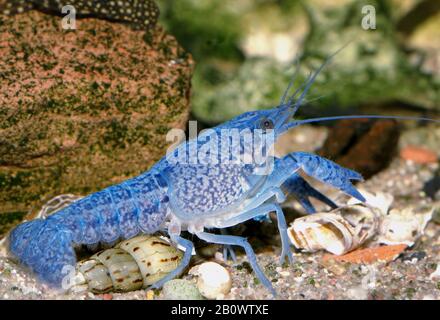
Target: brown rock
x=369, y=255
x=83, y=109
x=418, y=155
x=364, y=145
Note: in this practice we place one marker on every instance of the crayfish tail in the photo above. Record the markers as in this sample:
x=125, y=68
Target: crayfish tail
x=44, y=248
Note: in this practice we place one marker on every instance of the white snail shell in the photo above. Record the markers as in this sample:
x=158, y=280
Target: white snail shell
x=131, y=265
x=339, y=231
x=348, y=227
x=404, y=226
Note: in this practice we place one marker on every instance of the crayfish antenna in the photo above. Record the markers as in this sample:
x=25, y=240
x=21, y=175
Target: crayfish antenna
x=305, y=87
x=292, y=81
x=308, y=83
x=367, y=116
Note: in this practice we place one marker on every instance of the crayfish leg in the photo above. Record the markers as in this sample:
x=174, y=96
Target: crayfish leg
x=242, y=242
x=328, y=172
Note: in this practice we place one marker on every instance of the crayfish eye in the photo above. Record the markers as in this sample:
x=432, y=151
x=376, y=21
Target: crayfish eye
x=266, y=124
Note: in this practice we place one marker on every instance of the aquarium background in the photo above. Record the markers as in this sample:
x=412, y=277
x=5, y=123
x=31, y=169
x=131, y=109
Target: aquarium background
x=245, y=54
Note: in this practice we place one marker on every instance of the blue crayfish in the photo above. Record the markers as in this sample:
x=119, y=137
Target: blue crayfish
x=183, y=193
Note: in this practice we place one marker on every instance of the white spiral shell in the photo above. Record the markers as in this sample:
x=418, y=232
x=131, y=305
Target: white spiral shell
x=131, y=265
x=330, y=231
x=343, y=229
x=348, y=227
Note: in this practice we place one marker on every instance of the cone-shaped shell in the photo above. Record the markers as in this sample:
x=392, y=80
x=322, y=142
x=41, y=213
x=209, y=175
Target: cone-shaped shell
x=131, y=265
x=338, y=232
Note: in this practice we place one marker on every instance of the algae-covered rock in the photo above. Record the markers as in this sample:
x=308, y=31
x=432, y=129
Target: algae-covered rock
x=180, y=289
x=274, y=30
x=223, y=35
x=207, y=29
x=425, y=38
x=374, y=68
x=83, y=109
x=259, y=83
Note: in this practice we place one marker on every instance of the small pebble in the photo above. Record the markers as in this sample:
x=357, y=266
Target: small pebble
x=107, y=296
x=436, y=274
x=219, y=256
x=149, y=295
x=284, y=273
x=179, y=289
x=213, y=280
x=418, y=155
x=415, y=256
x=357, y=293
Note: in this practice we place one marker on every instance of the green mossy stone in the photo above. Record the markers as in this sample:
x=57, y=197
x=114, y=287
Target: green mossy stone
x=207, y=29
x=374, y=69
x=179, y=289
x=255, y=86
